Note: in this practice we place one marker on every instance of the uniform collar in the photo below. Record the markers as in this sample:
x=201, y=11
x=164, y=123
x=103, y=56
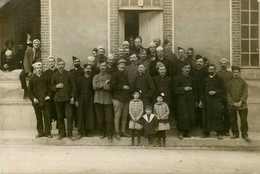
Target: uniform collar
x=146, y=117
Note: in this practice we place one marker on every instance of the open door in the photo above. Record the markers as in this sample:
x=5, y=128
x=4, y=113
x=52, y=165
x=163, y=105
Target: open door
x=150, y=26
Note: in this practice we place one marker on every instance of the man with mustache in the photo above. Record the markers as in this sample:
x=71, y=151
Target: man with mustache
x=190, y=57
x=132, y=72
x=213, y=90
x=182, y=60
x=111, y=64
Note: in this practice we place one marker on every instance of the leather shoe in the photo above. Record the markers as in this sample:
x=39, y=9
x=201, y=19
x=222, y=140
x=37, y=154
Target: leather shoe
x=49, y=136
x=225, y=134
x=234, y=136
x=79, y=136
x=72, y=137
x=39, y=136
x=180, y=136
x=247, y=138
x=117, y=136
x=61, y=137
x=125, y=134
x=220, y=137
x=204, y=136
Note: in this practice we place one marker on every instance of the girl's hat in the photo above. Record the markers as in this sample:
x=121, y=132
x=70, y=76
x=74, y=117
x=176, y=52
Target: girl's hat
x=161, y=94
x=137, y=90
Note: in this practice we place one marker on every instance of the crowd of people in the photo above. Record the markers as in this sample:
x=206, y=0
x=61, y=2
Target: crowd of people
x=139, y=88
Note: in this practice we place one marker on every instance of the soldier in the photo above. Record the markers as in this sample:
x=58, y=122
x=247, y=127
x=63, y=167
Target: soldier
x=9, y=46
x=63, y=84
x=190, y=57
x=157, y=42
x=39, y=93
x=152, y=55
x=182, y=60
x=101, y=54
x=138, y=46
x=168, y=54
x=125, y=45
x=111, y=64
x=8, y=61
x=132, y=72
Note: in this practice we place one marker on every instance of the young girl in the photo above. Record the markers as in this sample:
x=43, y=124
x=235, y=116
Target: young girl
x=150, y=124
x=161, y=110
x=136, y=112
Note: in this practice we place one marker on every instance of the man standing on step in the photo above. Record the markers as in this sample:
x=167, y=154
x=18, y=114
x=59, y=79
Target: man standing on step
x=39, y=93
x=63, y=84
x=237, y=93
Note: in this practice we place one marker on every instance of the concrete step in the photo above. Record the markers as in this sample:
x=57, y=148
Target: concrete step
x=27, y=138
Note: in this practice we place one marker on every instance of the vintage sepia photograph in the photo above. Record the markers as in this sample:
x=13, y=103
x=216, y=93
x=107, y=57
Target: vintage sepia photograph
x=129, y=86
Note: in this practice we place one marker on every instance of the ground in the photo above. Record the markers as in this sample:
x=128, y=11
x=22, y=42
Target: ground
x=126, y=159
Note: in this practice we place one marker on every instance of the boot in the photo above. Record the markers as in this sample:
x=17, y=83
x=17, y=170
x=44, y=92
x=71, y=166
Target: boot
x=25, y=94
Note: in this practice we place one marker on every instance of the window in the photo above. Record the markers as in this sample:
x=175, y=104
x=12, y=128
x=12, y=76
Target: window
x=249, y=33
x=140, y=4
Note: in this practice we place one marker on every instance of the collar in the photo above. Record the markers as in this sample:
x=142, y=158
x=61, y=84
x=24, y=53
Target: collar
x=38, y=75
x=212, y=76
x=53, y=69
x=146, y=117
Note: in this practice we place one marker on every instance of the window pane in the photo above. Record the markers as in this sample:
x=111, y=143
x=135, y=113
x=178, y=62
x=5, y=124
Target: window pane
x=254, y=60
x=244, y=17
x=124, y=2
x=133, y=3
x=254, y=45
x=244, y=32
x=254, y=32
x=147, y=2
x=244, y=4
x=156, y=3
x=245, y=60
x=254, y=17
x=245, y=45
x=254, y=5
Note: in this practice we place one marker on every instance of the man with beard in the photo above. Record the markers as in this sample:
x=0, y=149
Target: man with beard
x=63, y=84
x=213, y=90
x=84, y=100
x=157, y=42
x=20, y=56
x=32, y=55
x=39, y=93
x=131, y=43
x=152, y=55
x=111, y=64
x=50, y=104
x=226, y=76
x=132, y=72
x=77, y=71
x=144, y=82
x=103, y=102
x=9, y=46
x=138, y=46
x=237, y=100
x=190, y=57
x=183, y=86
x=121, y=97
x=8, y=61
x=154, y=64
x=182, y=60
x=200, y=72
x=91, y=61
x=125, y=45
x=101, y=54
x=168, y=54
x=144, y=60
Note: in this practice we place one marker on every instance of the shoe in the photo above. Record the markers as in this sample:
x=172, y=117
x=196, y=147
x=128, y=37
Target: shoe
x=234, y=136
x=25, y=95
x=39, y=136
x=204, y=136
x=79, y=136
x=60, y=137
x=225, y=134
x=187, y=135
x=220, y=137
x=102, y=136
x=246, y=138
x=125, y=134
x=180, y=136
x=117, y=136
x=110, y=139
x=49, y=136
x=71, y=137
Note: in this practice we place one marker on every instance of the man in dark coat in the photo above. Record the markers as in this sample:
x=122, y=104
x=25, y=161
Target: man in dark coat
x=132, y=72
x=121, y=97
x=85, y=102
x=226, y=76
x=77, y=71
x=168, y=54
x=8, y=61
x=183, y=87
x=191, y=58
x=32, y=55
x=144, y=82
x=213, y=91
x=101, y=54
x=20, y=56
x=9, y=46
x=181, y=61
x=200, y=72
x=63, y=84
x=39, y=93
x=50, y=104
x=138, y=46
x=111, y=64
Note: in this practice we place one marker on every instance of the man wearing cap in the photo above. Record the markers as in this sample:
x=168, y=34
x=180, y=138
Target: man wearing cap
x=182, y=60
x=154, y=64
x=213, y=90
x=132, y=72
x=121, y=97
x=144, y=82
x=144, y=60
x=103, y=102
x=63, y=84
x=94, y=64
x=111, y=64
x=190, y=57
x=199, y=73
x=125, y=44
x=8, y=61
x=168, y=54
x=152, y=55
x=157, y=41
x=39, y=93
x=226, y=76
x=77, y=71
x=101, y=54
x=32, y=55
x=50, y=104
x=183, y=87
x=9, y=46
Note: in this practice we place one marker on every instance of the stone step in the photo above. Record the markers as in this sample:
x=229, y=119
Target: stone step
x=27, y=138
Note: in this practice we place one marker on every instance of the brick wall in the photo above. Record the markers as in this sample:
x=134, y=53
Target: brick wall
x=236, y=33
x=45, y=31
x=114, y=25
x=167, y=19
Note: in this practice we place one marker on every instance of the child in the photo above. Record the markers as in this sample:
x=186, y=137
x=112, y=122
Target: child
x=161, y=110
x=149, y=124
x=136, y=112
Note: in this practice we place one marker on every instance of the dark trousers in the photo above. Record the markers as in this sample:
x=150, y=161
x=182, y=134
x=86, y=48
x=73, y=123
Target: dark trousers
x=41, y=113
x=198, y=112
x=104, y=118
x=150, y=139
x=62, y=108
x=75, y=111
x=51, y=110
x=138, y=132
x=233, y=121
x=226, y=125
x=161, y=134
x=22, y=78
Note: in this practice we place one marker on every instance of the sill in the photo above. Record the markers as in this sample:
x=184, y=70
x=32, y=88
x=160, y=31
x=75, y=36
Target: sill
x=250, y=67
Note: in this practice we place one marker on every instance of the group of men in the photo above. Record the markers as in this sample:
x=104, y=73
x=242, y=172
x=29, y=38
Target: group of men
x=195, y=92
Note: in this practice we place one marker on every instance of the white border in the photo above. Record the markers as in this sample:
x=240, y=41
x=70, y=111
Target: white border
x=108, y=31
x=173, y=26
x=231, y=50
x=50, y=27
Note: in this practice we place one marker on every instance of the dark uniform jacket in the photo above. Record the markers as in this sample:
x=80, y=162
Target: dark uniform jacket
x=69, y=88
x=150, y=124
x=199, y=76
x=165, y=85
x=30, y=58
x=39, y=88
x=153, y=70
x=10, y=62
